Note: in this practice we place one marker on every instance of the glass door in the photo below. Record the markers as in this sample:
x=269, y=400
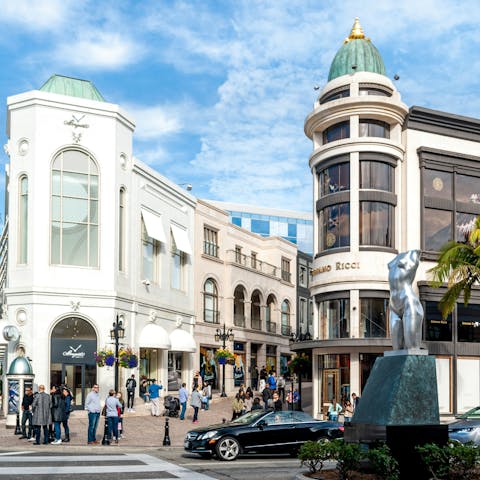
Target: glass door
x=331, y=386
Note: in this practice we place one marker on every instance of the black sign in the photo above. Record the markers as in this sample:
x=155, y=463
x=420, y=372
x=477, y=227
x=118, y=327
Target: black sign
x=73, y=351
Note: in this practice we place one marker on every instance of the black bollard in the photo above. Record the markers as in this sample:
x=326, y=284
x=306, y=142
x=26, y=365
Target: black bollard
x=166, y=438
x=18, y=430
x=105, y=440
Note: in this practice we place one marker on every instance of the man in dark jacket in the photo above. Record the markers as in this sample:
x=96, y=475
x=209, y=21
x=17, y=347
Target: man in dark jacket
x=27, y=413
x=42, y=415
x=131, y=385
x=58, y=414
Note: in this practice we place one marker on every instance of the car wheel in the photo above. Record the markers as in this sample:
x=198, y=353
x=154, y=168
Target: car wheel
x=323, y=440
x=228, y=449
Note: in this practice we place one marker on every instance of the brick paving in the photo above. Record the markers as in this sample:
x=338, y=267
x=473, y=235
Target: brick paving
x=141, y=429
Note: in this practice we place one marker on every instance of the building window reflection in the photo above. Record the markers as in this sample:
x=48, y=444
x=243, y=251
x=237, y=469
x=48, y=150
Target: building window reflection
x=437, y=328
x=376, y=224
x=373, y=318
x=336, y=132
x=334, y=179
x=335, y=318
x=334, y=223
x=374, y=128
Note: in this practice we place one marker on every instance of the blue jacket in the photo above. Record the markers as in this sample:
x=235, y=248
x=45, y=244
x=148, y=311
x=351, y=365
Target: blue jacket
x=154, y=390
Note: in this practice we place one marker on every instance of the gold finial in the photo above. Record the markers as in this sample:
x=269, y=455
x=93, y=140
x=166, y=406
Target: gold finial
x=357, y=31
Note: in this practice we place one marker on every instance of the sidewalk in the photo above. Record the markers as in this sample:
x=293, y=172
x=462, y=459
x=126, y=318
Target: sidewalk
x=141, y=429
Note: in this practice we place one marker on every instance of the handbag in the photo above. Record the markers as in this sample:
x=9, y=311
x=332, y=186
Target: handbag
x=104, y=411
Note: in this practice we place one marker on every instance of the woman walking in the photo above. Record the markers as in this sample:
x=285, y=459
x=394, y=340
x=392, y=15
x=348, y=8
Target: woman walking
x=237, y=406
x=196, y=402
x=58, y=414
x=68, y=408
x=112, y=405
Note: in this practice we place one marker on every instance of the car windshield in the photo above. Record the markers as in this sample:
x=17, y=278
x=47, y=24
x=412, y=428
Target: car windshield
x=473, y=413
x=249, y=417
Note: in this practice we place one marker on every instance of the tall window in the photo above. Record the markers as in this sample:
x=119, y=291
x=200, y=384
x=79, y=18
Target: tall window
x=286, y=275
x=74, y=225
x=373, y=318
x=286, y=330
x=23, y=220
x=269, y=314
x=337, y=132
x=335, y=318
x=150, y=256
x=210, y=301
x=334, y=226
x=178, y=266
x=437, y=328
x=451, y=197
x=334, y=179
x=374, y=128
x=210, y=242
x=121, y=229
x=376, y=224
x=376, y=175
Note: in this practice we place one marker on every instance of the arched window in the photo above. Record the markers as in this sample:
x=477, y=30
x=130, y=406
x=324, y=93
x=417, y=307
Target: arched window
x=121, y=229
x=239, y=307
x=255, y=312
x=74, y=219
x=210, y=301
x=22, y=220
x=269, y=314
x=286, y=330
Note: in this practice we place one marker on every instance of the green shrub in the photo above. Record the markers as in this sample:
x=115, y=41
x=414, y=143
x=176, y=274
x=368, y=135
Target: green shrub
x=383, y=463
x=314, y=454
x=454, y=461
x=347, y=455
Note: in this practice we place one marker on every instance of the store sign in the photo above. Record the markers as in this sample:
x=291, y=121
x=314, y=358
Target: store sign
x=336, y=266
x=73, y=351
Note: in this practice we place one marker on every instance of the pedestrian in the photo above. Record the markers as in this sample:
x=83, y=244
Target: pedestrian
x=154, y=393
x=121, y=410
x=272, y=382
x=183, y=398
x=333, y=410
x=277, y=404
x=112, y=405
x=355, y=401
x=248, y=402
x=206, y=396
x=27, y=414
x=51, y=430
x=281, y=387
x=255, y=377
x=265, y=397
x=292, y=399
x=42, y=414
x=348, y=411
x=92, y=405
x=144, y=389
x=67, y=395
x=58, y=413
x=237, y=406
x=256, y=404
x=131, y=385
x=196, y=402
x=263, y=373
x=197, y=381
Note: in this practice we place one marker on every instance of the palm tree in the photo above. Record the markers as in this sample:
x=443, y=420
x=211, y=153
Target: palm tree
x=459, y=267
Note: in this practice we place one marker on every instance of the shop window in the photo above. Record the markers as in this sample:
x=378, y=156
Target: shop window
x=174, y=371
x=334, y=226
x=376, y=224
x=437, y=329
x=335, y=318
x=374, y=318
x=374, y=128
x=468, y=322
x=336, y=132
x=367, y=360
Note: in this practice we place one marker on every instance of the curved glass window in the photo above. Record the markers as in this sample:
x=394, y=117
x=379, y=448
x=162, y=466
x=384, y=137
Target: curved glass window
x=335, y=318
x=286, y=330
x=334, y=179
x=239, y=307
x=23, y=220
x=329, y=97
x=376, y=175
x=336, y=132
x=210, y=301
x=373, y=91
x=121, y=230
x=74, y=211
x=376, y=224
x=374, y=128
x=334, y=226
x=373, y=318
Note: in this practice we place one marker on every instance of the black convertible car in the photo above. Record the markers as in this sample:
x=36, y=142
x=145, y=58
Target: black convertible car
x=260, y=432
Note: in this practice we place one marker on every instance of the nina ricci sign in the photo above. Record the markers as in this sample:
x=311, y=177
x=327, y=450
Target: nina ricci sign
x=336, y=266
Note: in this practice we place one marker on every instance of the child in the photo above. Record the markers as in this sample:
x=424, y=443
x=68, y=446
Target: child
x=120, y=410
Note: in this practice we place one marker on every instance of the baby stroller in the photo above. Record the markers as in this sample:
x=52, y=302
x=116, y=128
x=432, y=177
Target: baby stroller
x=172, y=406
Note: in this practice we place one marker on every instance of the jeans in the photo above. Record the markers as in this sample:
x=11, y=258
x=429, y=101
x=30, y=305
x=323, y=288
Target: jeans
x=205, y=404
x=130, y=398
x=195, y=414
x=92, y=426
x=58, y=433
x=38, y=429
x=66, y=427
x=27, y=417
x=184, y=409
x=113, y=427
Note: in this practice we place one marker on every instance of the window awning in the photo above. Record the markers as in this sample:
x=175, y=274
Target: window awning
x=153, y=224
x=154, y=336
x=182, y=341
x=181, y=239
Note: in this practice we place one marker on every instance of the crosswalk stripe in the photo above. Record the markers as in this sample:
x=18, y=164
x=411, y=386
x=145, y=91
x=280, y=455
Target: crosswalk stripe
x=58, y=466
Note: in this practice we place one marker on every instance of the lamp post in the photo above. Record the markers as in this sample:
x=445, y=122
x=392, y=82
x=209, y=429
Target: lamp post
x=117, y=333
x=223, y=335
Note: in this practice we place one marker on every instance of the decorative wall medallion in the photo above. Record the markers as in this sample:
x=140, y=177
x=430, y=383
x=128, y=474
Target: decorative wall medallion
x=21, y=317
x=23, y=146
x=179, y=321
x=331, y=239
x=153, y=315
x=123, y=161
x=437, y=184
x=75, y=305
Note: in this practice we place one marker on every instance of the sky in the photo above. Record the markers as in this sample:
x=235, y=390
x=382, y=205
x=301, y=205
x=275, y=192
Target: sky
x=219, y=90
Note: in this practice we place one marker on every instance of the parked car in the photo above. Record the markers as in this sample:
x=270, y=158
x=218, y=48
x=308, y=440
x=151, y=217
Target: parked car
x=466, y=428
x=260, y=432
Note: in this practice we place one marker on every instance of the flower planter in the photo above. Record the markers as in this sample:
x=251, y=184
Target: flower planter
x=222, y=361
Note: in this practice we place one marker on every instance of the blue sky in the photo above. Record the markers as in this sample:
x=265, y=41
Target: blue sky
x=219, y=90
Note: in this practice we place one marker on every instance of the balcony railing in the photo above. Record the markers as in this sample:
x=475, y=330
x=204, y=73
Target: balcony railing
x=252, y=262
x=239, y=320
x=256, y=324
x=286, y=276
x=271, y=327
x=286, y=330
x=210, y=249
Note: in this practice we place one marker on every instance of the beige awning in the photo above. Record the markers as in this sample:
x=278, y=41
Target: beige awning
x=154, y=336
x=153, y=225
x=181, y=239
x=182, y=341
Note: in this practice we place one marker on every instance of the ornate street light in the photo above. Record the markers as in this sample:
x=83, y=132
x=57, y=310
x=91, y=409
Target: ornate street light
x=223, y=335
x=117, y=333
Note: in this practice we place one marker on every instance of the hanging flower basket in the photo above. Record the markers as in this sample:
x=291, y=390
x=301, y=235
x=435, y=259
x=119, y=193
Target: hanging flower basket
x=105, y=358
x=222, y=360
x=223, y=356
x=127, y=358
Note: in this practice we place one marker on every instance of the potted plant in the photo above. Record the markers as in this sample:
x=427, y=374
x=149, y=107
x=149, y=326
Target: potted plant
x=104, y=358
x=223, y=355
x=127, y=358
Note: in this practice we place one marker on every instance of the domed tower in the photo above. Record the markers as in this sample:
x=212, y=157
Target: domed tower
x=356, y=130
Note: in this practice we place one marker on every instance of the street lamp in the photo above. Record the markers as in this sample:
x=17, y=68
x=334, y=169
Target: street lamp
x=117, y=333
x=223, y=335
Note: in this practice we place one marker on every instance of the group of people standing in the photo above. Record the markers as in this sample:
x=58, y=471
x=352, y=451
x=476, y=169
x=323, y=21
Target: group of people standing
x=348, y=409
x=199, y=399
x=47, y=412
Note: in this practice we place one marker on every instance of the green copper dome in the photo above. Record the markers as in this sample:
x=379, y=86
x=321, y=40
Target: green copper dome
x=359, y=52
x=73, y=87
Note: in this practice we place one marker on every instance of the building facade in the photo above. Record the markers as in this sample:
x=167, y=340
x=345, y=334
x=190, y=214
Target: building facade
x=386, y=179
x=246, y=283
x=94, y=235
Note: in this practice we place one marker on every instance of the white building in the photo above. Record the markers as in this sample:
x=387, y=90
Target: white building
x=386, y=179
x=94, y=235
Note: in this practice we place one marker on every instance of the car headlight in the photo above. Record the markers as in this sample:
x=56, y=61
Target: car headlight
x=207, y=435
x=466, y=429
